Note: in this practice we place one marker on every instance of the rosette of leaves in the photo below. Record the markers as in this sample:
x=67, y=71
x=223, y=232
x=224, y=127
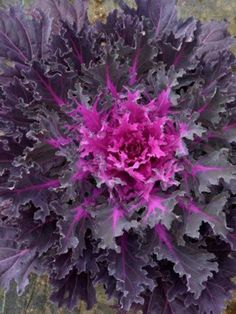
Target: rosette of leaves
x=117, y=150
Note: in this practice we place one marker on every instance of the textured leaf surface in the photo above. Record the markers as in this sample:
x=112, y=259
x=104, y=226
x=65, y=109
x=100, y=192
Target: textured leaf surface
x=127, y=268
x=16, y=265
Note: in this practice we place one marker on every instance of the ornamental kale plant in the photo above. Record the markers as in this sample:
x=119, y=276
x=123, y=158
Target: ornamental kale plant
x=117, y=156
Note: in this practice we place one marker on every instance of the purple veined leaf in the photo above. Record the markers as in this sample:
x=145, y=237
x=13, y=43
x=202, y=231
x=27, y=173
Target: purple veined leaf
x=143, y=57
x=230, y=132
x=179, y=49
x=160, y=300
x=64, y=11
x=231, y=223
x=163, y=102
x=111, y=223
x=185, y=29
x=16, y=265
x=124, y=6
x=15, y=43
x=22, y=39
x=38, y=27
x=78, y=54
x=31, y=188
x=18, y=94
x=127, y=267
x=141, y=10
x=212, y=213
x=45, y=157
x=90, y=116
x=73, y=278
x=108, y=282
x=189, y=261
x=47, y=86
x=116, y=215
x=209, y=170
x=58, y=142
x=133, y=68
x=217, y=290
x=73, y=288
x=54, y=134
x=160, y=210
x=41, y=235
x=50, y=86
x=8, y=232
x=109, y=84
x=163, y=15
x=191, y=129
x=142, y=7
x=71, y=49
x=213, y=98
x=184, y=56
x=107, y=77
x=129, y=34
x=81, y=7
x=163, y=236
x=215, y=37
x=6, y=157
x=62, y=265
x=73, y=230
x=227, y=133
x=76, y=48
x=40, y=30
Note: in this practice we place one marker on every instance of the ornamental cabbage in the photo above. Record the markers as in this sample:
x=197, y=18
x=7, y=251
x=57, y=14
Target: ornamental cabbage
x=117, y=156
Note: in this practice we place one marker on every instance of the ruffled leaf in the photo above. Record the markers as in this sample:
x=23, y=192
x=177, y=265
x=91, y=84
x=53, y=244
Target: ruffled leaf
x=16, y=265
x=127, y=268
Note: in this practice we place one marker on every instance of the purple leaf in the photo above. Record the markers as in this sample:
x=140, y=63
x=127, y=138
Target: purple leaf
x=163, y=15
x=217, y=291
x=73, y=230
x=15, y=43
x=211, y=168
x=23, y=38
x=212, y=213
x=189, y=261
x=50, y=87
x=64, y=11
x=111, y=223
x=16, y=264
x=127, y=268
x=31, y=188
x=73, y=288
x=214, y=37
x=36, y=233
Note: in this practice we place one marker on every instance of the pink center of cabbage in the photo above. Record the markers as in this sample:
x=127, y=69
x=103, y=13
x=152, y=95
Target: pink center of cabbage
x=131, y=149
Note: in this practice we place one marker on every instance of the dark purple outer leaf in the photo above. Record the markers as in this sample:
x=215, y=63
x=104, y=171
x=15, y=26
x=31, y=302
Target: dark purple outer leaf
x=73, y=288
x=22, y=38
x=33, y=188
x=63, y=10
x=159, y=302
x=73, y=231
x=214, y=37
x=15, y=43
x=111, y=223
x=217, y=290
x=127, y=268
x=17, y=265
x=163, y=15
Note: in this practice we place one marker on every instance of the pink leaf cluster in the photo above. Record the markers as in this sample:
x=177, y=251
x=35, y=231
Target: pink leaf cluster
x=132, y=148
